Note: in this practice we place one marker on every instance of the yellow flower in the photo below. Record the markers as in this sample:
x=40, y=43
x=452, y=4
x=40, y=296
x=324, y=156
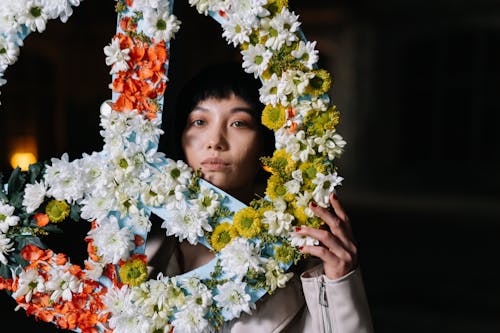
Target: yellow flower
x=275, y=6
x=275, y=187
x=317, y=122
x=223, y=235
x=274, y=117
x=134, y=272
x=299, y=214
x=282, y=162
x=57, y=210
x=283, y=253
x=309, y=171
x=247, y=222
x=320, y=83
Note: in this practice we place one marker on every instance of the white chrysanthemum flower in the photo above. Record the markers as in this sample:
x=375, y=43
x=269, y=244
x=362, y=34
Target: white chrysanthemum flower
x=301, y=240
x=330, y=144
x=255, y=59
x=294, y=83
x=116, y=57
x=198, y=292
x=293, y=186
x=6, y=246
x=142, y=5
x=281, y=29
x=191, y=320
x=117, y=300
x=269, y=93
x=186, y=222
x=276, y=277
x=95, y=173
x=138, y=223
x=236, y=30
x=239, y=256
x=63, y=179
x=302, y=200
x=160, y=24
x=306, y=54
x=34, y=195
x=325, y=185
x=280, y=204
x=202, y=6
x=63, y=284
x=179, y=171
x=249, y=8
x=131, y=321
x=93, y=269
x=7, y=217
x=97, y=207
x=60, y=8
x=299, y=147
x=233, y=299
x=159, y=297
x=146, y=131
x=33, y=15
x=112, y=242
x=279, y=223
x=127, y=163
x=29, y=283
x=125, y=316
x=9, y=52
x=207, y=200
x=8, y=20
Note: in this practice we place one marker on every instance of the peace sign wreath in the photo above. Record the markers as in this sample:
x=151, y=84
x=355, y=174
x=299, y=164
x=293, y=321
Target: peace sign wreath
x=118, y=188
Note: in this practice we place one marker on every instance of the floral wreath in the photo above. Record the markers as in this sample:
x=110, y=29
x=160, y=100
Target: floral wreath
x=118, y=188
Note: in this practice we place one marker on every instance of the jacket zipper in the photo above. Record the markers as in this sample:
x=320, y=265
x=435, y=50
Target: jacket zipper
x=323, y=301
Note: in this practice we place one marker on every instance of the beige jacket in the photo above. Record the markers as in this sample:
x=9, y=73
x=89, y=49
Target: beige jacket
x=311, y=303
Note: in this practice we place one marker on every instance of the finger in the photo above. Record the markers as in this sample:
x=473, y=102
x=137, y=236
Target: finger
x=337, y=227
x=333, y=266
x=340, y=212
x=343, y=249
x=337, y=207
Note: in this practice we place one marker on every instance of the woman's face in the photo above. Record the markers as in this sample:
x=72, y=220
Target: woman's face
x=222, y=139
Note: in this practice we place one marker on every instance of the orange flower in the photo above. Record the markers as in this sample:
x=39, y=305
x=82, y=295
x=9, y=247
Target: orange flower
x=32, y=253
x=42, y=219
x=127, y=24
x=138, y=240
x=5, y=283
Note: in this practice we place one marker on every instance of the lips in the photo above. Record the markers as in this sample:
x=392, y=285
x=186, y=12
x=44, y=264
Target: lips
x=214, y=164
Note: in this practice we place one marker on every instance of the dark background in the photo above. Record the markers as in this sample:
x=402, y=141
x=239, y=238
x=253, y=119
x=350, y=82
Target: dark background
x=417, y=84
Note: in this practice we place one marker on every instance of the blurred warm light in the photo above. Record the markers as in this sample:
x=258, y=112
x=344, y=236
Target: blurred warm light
x=23, y=151
x=22, y=160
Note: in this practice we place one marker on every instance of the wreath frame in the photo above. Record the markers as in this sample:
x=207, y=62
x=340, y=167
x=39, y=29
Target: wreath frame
x=92, y=298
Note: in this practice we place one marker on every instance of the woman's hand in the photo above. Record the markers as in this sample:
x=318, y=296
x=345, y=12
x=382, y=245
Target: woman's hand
x=336, y=249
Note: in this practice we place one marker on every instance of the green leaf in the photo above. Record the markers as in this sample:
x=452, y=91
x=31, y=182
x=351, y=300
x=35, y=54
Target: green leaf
x=30, y=240
x=35, y=171
x=5, y=271
x=75, y=213
x=16, y=188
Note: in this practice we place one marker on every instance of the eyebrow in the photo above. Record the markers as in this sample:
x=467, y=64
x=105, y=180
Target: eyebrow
x=233, y=110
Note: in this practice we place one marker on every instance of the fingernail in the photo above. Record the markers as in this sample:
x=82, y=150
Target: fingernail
x=298, y=228
x=335, y=196
x=314, y=204
x=301, y=248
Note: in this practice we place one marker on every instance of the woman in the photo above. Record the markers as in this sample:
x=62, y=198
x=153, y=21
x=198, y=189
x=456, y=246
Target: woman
x=223, y=137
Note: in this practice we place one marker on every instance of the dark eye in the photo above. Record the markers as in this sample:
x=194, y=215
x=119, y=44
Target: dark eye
x=239, y=123
x=197, y=122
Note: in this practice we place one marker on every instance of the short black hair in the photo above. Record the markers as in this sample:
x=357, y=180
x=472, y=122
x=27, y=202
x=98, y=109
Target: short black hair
x=221, y=81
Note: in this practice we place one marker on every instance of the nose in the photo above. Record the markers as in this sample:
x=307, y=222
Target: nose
x=216, y=140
